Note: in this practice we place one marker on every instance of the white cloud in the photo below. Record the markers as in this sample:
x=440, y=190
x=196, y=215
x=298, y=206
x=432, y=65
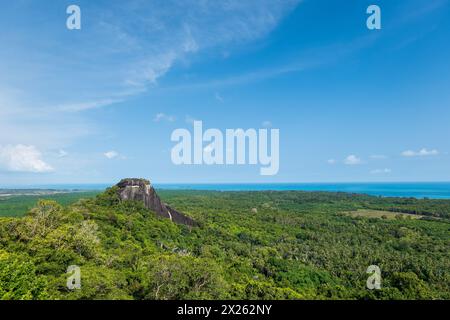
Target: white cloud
x=22, y=158
x=331, y=161
x=381, y=171
x=421, y=153
x=111, y=154
x=352, y=160
x=162, y=116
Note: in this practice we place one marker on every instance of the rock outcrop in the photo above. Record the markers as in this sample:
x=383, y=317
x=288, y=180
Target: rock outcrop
x=142, y=190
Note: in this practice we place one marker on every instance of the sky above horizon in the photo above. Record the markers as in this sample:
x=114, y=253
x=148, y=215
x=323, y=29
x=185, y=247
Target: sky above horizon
x=99, y=104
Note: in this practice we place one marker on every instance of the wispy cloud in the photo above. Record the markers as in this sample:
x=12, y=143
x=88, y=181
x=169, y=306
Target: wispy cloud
x=82, y=106
x=111, y=154
x=352, y=160
x=381, y=171
x=331, y=161
x=129, y=47
x=310, y=59
x=62, y=153
x=424, y=152
x=163, y=117
x=45, y=128
x=124, y=52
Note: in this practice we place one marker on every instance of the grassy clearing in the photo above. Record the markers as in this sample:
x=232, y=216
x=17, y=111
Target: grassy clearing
x=368, y=213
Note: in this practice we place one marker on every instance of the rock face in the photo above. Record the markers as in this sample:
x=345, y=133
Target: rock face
x=142, y=190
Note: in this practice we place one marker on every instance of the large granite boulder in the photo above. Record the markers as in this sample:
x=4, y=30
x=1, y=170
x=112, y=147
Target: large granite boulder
x=142, y=190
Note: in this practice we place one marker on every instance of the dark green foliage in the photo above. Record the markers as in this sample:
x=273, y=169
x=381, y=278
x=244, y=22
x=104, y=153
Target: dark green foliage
x=18, y=279
x=296, y=245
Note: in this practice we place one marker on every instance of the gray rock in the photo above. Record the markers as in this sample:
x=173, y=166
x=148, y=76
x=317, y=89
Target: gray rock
x=142, y=190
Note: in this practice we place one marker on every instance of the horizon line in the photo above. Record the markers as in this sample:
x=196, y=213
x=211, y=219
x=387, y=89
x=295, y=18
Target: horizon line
x=12, y=186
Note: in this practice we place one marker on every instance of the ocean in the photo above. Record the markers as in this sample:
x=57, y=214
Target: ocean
x=432, y=190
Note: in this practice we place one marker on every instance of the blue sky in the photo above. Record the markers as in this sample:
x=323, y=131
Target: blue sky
x=99, y=104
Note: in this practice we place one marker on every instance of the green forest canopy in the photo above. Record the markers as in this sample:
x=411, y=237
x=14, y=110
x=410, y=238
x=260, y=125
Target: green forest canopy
x=249, y=245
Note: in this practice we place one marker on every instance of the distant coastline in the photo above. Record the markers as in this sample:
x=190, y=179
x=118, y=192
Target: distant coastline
x=432, y=190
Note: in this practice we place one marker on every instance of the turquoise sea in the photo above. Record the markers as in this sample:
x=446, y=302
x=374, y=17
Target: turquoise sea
x=416, y=190
x=434, y=190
